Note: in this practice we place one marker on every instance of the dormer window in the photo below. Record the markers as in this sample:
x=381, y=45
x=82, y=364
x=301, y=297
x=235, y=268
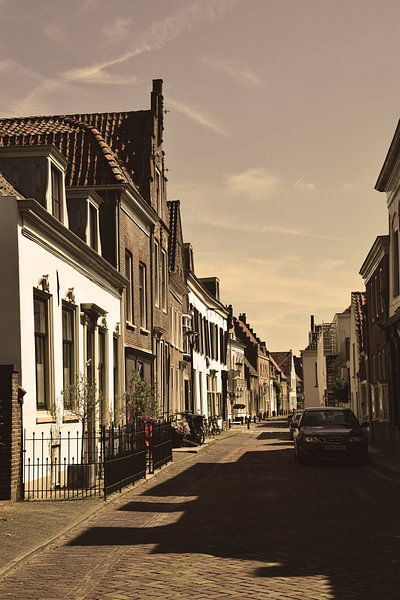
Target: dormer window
x=83, y=215
x=93, y=222
x=56, y=193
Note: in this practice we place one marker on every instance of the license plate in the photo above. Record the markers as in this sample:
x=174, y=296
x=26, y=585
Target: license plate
x=335, y=447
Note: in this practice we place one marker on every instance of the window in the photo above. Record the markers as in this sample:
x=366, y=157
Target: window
x=101, y=374
x=157, y=273
x=116, y=378
x=142, y=295
x=93, y=226
x=396, y=274
x=68, y=349
x=42, y=351
x=129, y=289
x=56, y=193
x=164, y=291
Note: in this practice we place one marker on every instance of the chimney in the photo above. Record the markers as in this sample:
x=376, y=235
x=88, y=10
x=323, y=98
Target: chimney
x=157, y=107
x=312, y=324
x=242, y=317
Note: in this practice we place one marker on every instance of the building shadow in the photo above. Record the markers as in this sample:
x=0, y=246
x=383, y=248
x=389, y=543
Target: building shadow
x=293, y=522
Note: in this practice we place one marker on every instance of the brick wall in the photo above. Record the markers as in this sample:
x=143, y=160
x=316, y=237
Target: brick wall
x=10, y=435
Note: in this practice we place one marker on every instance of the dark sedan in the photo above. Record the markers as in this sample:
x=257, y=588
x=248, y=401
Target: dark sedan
x=330, y=433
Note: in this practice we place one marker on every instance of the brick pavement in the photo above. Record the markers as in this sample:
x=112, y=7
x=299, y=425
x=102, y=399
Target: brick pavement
x=239, y=520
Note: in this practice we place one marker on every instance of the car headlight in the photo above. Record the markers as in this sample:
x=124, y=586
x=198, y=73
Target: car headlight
x=311, y=438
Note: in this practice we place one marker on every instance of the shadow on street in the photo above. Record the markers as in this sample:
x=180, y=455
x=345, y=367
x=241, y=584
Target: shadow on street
x=292, y=521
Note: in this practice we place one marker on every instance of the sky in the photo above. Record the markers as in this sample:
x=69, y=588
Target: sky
x=280, y=114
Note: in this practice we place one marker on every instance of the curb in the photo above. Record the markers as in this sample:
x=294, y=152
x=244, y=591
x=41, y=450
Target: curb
x=382, y=469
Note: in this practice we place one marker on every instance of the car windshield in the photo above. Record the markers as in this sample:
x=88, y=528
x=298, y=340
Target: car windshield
x=329, y=418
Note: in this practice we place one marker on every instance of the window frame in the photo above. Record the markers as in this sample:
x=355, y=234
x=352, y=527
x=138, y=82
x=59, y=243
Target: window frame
x=48, y=388
x=129, y=298
x=71, y=309
x=143, y=295
x=56, y=178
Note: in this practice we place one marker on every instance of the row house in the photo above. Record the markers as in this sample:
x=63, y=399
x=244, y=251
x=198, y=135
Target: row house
x=298, y=366
x=257, y=368
x=180, y=320
x=375, y=272
x=310, y=367
x=358, y=363
x=61, y=314
x=115, y=200
x=278, y=389
x=237, y=393
x=207, y=343
x=326, y=362
x=285, y=361
x=385, y=412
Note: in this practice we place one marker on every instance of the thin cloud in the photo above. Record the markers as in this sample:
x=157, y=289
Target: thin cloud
x=196, y=115
x=259, y=228
x=239, y=74
x=155, y=37
x=303, y=185
x=254, y=183
x=118, y=28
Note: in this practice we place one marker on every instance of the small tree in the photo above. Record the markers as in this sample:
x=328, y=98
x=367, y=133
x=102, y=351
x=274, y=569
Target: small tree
x=141, y=398
x=341, y=389
x=81, y=399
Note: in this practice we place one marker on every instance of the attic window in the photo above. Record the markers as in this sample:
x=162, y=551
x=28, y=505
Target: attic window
x=56, y=193
x=93, y=227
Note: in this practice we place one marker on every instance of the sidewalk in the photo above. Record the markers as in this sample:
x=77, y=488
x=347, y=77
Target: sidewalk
x=386, y=463
x=26, y=527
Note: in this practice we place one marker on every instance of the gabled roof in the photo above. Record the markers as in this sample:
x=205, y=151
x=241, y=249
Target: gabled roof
x=283, y=359
x=275, y=364
x=101, y=148
x=358, y=301
x=243, y=327
x=8, y=189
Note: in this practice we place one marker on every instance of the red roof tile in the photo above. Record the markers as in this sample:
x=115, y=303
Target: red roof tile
x=101, y=148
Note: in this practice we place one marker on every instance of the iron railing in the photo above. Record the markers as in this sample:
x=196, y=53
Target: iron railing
x=75, y=465
x=159, y=435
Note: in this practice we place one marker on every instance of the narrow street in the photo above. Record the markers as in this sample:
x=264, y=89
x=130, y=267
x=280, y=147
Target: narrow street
x=238, y=520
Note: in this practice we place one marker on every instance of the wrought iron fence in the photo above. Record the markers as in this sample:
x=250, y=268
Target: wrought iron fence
x=125, y=456
x=75, y=465
x=159, y=438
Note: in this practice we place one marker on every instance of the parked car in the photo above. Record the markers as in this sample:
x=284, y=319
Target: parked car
x=330, y=433
x=294, y=422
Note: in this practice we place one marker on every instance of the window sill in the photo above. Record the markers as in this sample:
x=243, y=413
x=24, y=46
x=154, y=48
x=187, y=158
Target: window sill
x=130, y=326
x=144, y=331
x=45, y=418
x=70, y=419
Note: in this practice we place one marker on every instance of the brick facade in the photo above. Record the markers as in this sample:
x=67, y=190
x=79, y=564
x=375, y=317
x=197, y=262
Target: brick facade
x=10, y=434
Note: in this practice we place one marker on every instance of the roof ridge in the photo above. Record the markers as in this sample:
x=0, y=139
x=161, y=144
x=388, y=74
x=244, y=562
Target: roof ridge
x=105, y=149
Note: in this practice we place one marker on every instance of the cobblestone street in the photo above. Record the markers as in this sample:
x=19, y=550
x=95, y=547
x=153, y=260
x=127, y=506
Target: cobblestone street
x=238, y=520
